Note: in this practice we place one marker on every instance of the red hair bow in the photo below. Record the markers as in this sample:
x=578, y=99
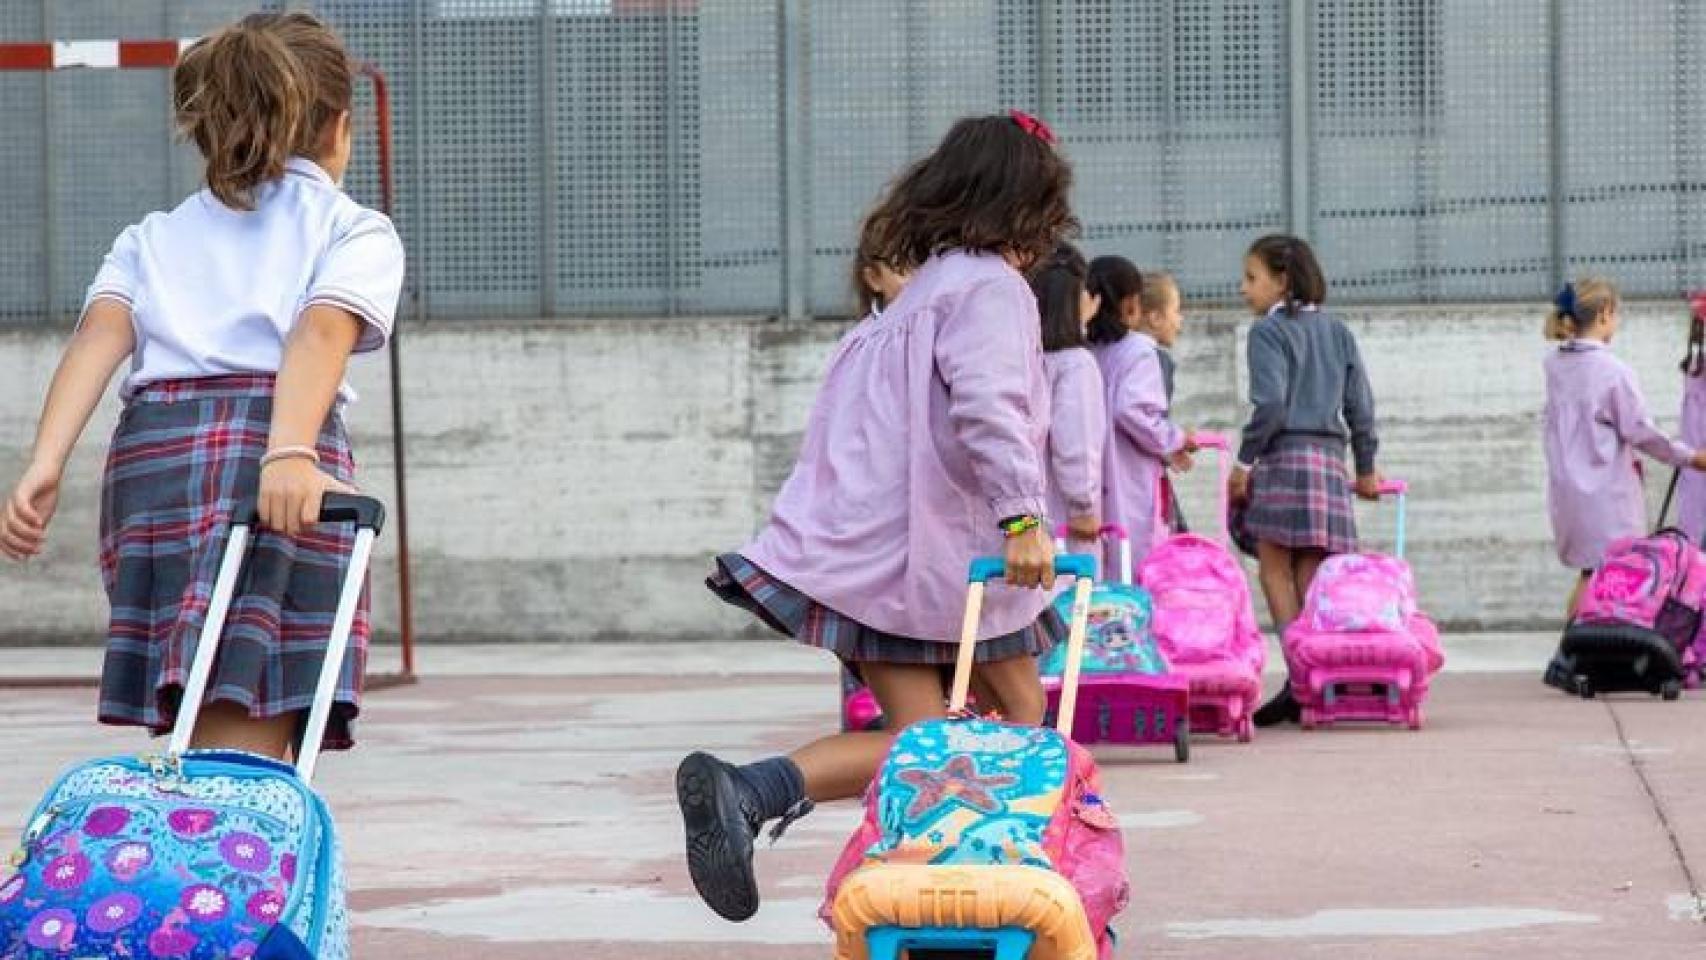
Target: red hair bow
x=1032, y=126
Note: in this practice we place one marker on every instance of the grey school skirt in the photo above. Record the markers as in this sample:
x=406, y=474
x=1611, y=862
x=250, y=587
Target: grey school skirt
x=184, y=453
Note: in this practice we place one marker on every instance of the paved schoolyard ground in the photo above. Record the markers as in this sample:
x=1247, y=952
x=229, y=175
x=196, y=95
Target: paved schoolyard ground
x=517, y=804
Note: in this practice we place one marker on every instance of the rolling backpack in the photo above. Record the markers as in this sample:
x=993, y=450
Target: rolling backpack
x=1638, y=624
x=193, y=854
x=985, y=804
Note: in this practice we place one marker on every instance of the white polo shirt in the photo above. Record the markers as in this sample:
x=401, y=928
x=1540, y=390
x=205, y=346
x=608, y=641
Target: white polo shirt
x=215, y=291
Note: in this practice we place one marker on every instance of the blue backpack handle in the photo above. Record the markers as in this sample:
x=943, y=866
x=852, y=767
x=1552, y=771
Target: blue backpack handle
x=1081, y=565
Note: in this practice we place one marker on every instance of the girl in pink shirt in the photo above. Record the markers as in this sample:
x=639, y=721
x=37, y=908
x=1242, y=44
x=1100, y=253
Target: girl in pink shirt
x=1078, y=422
x=1595, y=420
x=924, y=450
x=1691, y=485
x=1142, y=440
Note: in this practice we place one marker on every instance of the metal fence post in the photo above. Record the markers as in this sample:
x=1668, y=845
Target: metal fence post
x=1301, y=68
x=1555, y=136
x=794, y=25
x=547, y=160
x=50, y=201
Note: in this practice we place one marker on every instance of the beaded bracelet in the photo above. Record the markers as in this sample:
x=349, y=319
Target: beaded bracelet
x=289, y=453
x=1019, y=526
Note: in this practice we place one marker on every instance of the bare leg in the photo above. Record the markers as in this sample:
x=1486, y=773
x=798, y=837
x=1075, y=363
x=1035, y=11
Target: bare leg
x=1576, y=596
x=224, y=725
x=1017, y=687
x=841, y=766
x=1278, y=575
x=1305, y=563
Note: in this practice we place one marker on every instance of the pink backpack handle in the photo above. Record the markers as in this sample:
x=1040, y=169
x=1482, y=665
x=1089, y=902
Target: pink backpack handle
x=1114, y=530
x=1222, y=447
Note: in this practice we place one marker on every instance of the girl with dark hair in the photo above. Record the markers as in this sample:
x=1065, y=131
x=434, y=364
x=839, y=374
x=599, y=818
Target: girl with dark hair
x=238, y=312
x=1691, y=485
x=1078, y=424
x=1142, y=440
x=923, y=450
x=1310, y=395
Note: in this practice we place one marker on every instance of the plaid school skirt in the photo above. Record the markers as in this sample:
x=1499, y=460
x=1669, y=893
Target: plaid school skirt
x=184, y=453
x=1300, y=498
x=740, y=582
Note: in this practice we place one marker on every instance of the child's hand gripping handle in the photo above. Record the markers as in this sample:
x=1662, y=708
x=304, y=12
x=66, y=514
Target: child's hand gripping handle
x=368, y=515
x=1082, y=568
x=1117, y=531
x=1221, y=444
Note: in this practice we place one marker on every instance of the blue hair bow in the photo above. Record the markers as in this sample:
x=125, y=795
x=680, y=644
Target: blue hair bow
x=1565, y=301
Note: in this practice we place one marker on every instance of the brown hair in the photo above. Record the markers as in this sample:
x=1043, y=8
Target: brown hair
x=1159, y=288
x=256, y=93
x=865, y=256
x=1694, y=360
x=1579, y=306
x=1058, y=283
x=989, y=187
x=1293, y=259
x=1115, y=280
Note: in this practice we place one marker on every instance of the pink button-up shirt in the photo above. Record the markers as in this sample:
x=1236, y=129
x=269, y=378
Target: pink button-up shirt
x=1595, y=420
x=1691, y=486
x=1077, y=433
x=1140, y=438
x=929, y=429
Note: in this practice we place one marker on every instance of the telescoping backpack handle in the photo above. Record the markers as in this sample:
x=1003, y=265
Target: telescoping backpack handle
x=368, y=515
x=1394, y=487
x=1081, y=567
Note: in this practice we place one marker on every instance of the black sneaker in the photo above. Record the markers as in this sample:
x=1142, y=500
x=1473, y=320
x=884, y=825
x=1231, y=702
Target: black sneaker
x=1283, y=708
x=721, y=822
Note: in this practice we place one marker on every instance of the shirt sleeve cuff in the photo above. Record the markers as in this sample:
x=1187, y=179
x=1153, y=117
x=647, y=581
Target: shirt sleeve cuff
x=1018, y=507
x=375, y=324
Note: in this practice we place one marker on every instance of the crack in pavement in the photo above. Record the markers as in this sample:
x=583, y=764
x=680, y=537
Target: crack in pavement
x=1639, y=764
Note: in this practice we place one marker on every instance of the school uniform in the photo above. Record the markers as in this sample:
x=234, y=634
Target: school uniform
x=213, y=295
x=1691, y=485
x=1140, y=438
x=1311, y=399
x=929, y=429
x=1078, y=432
x=1595, y=420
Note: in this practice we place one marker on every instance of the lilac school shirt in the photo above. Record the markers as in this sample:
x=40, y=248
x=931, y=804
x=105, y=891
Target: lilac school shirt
x=1140, y=438
x=1595, y=419
x=929, y=429
x=1691, y=486
x=1078, y=430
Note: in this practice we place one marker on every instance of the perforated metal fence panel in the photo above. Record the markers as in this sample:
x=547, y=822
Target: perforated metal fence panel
x=583, y=157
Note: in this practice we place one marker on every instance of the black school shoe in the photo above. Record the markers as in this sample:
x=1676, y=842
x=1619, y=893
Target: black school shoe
x=722, y=818
x=1283, y=708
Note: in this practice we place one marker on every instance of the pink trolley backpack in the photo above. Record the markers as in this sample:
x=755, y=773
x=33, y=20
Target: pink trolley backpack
x=1127, y=692
x=1205, y=619
x=1361, y=650
x=1638, y=626
x=980, y=835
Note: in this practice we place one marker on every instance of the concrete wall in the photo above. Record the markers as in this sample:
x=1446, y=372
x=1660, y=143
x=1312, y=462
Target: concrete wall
x=572, y=480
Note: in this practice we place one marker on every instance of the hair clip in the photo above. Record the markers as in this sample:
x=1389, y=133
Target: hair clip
x=1565, y=301
x=1032, y=126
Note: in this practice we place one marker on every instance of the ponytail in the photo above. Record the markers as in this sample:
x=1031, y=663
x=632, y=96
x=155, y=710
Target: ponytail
x=1293, y=259
x=1693, y=363
x=255, y=94
x=1579, y=306
x=1114, y=280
